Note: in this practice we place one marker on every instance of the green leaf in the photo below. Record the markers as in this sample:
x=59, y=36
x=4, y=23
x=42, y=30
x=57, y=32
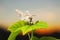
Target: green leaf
x=42, y=24
x=13, y=35
x=16, y=25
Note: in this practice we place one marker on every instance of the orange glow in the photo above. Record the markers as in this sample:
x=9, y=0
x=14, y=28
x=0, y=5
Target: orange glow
x=45, y=31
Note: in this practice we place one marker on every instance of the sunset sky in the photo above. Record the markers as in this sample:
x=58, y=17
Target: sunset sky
x=46, y=10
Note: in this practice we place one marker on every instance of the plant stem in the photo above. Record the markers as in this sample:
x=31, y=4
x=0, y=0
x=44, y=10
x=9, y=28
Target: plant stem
x=31, y=36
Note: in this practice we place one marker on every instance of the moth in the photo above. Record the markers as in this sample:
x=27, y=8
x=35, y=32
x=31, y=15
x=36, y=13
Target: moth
x=25, y=16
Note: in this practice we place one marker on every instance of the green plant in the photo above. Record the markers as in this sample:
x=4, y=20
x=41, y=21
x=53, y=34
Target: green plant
x=21, y=26
x=47, y=38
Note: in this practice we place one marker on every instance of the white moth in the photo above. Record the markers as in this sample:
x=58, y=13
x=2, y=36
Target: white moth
x=24, y=16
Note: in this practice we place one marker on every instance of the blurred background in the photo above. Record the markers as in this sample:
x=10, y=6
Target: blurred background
x=45, y=10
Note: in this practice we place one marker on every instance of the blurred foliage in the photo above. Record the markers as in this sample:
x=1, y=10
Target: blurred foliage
x=47, y=38
x=35, y=38
x=44, y=38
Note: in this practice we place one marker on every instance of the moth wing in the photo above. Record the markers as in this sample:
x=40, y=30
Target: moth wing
x=19, y=13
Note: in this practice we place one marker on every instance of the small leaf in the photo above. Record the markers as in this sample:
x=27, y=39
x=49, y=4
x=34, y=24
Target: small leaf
x=41, y=24
x=13, y=35
x=16, y=25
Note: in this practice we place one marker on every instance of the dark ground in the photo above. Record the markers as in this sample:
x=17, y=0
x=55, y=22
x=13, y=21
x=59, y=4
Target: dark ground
x=5, y=34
